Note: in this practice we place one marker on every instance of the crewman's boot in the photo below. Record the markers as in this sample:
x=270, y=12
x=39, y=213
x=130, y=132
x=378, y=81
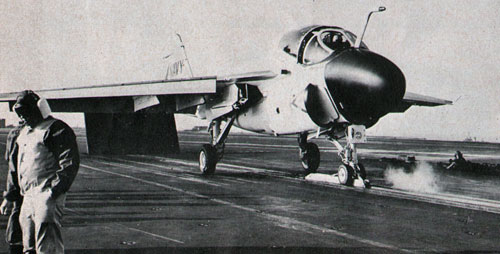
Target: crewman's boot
x=15, y=249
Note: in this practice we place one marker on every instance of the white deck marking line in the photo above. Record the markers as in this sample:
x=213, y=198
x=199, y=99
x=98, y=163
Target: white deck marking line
x=222, y=166
x=151, y=234
x=225, y=166
x=185, y=163
x=239, y=180
x=459, y=201
x=453, y=200
x=191, y=179
x=280, y=221
x=450, y=196
x=130, y=228
x=209, y=182
x=149, y=164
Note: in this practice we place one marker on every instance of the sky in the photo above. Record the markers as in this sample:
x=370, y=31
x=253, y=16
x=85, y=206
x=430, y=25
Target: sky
x=446, y=49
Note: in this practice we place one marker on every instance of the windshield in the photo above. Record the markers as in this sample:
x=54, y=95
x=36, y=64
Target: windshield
x=324, y=43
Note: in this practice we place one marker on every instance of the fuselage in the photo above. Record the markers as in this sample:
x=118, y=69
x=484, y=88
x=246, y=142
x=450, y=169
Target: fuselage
x=324, y=82
x=282, y=108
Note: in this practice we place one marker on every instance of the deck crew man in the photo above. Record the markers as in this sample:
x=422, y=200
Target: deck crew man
x=12, y=198
x=48, y=162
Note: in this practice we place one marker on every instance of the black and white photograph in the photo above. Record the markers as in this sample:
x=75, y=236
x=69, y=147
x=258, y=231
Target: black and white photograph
x=298, y=126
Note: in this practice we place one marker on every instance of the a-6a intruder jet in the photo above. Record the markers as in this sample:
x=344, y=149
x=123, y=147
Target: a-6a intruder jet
x=329, y=84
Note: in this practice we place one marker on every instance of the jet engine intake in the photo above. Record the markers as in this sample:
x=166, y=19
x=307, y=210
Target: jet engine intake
x=319, y=106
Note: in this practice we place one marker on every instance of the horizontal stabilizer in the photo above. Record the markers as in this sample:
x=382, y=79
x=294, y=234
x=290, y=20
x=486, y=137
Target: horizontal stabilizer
x=423, y=100
x=413, y=99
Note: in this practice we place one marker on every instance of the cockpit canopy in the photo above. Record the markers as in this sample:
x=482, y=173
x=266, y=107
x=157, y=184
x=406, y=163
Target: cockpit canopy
x=313, y=44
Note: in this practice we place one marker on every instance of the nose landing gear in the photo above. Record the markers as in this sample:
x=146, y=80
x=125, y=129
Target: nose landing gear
x=351, y=172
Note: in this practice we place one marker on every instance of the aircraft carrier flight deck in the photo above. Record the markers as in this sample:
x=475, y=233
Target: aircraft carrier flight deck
x=258, y=200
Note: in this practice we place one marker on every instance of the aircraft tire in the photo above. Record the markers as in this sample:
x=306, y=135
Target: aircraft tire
x=345, y=175
x=207, y=159
x=311, y=158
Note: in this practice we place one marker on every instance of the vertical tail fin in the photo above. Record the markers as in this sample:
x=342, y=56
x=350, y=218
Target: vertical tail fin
x=178, y=65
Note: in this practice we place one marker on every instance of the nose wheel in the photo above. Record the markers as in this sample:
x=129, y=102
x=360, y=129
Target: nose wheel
x=349, y=176
x=345, y=175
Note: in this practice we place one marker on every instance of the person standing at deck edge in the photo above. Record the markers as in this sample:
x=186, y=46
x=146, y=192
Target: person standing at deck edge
x=47, y=164
x=13, y=233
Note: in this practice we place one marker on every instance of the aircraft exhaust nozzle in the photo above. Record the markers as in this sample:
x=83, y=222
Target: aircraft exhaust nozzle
x=364, y=85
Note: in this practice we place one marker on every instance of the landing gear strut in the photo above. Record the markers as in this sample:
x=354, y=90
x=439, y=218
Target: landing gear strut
x=351, y=172
x=309, y=154
x=212, y=153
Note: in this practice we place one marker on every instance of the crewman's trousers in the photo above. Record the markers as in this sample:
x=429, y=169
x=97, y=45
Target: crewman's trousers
x=40, y=220
x=13, y=233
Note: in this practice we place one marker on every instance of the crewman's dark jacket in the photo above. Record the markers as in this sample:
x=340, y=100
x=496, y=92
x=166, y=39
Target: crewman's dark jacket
x=47, y=157
x=12, y=189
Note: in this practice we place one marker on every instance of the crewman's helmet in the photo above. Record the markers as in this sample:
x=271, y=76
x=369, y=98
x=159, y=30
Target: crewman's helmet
x=28, y=102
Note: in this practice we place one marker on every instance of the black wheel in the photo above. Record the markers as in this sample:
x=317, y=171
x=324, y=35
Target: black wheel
x=207, y=159
x=345, y=175
x=310, y=158
x=362, y=171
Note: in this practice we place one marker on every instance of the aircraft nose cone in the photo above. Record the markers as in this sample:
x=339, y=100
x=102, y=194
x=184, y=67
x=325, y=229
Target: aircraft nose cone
x=364, y=85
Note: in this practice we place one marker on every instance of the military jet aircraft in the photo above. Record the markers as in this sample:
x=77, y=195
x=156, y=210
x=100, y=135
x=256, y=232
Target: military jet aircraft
x=329, y=84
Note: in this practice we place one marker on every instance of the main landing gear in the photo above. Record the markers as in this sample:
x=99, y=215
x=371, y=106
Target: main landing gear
x=351, y=172
x=212, y=153
x=309, y=154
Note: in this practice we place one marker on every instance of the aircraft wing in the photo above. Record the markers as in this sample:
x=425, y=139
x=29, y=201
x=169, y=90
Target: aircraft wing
x=413, y=99
x=123, y=97
x=251, y=78
x=167, y=95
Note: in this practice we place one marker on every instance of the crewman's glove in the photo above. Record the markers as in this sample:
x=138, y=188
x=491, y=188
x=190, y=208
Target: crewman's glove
x=6, y=207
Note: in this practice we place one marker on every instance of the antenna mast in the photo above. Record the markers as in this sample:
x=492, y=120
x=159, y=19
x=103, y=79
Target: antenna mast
x=185, y=55
x=360, y=39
